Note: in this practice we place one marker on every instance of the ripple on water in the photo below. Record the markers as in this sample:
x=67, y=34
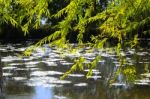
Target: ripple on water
x=118, y=84
x=51, y=55
x=32, y=63
x=3, y=49
x=95, y=77
x=59, y=97
x=28, y=58
x=22, y=69
x=54, y=73
x=11, y=58
x=7, y=74
x=73, y=55
x=142, y=53
x=54, y=59
x=116, y=62
x=20, y=49
x=93, y=70
x=52, y=85
x=31, y=66
x=88, y=55
x=43, y=85
x=90, y=58
x=146, y=75
x=15, y=64
x=60, y=81
x=34, y=69
x=104, y=55
x=39, y=73
x=49, y=63
x=81, y=84
x=41, y=79
x=101, y=61
x=19, y=78
x=66, y=63
x=142, y=62
x=87, y=61
x=146, y=80
x=45, y=73
x=9, y=68
x=48, y=80
x=141, y=83
x=76, y=75
x=96, y=72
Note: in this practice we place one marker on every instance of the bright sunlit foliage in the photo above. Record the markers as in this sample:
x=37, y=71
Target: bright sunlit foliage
x=122, y=20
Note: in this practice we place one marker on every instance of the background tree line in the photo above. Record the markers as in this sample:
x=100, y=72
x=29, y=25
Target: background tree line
x=104, y=19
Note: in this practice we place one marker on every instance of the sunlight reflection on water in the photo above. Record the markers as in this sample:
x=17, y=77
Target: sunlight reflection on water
x=37, y=76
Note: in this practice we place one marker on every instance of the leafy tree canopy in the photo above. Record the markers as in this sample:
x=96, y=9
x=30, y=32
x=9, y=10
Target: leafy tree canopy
x=122, y=20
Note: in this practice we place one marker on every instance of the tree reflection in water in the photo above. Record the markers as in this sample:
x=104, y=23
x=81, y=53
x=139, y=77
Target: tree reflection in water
x=1, y=81
x=121, y=74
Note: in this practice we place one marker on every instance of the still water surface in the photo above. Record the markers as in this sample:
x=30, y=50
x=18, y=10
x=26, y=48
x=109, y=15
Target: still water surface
x=37, y=76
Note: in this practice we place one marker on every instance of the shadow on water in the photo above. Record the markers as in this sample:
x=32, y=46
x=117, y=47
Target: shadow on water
x=37, y=76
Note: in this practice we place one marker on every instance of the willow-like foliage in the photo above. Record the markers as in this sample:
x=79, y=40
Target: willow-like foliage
x=122, y=20
x=23, y=14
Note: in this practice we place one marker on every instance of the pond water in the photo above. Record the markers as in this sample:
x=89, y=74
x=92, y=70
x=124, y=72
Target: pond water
x=37, y=76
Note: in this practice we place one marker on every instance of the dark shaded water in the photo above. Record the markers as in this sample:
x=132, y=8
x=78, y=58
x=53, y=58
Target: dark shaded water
x=37, y=76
